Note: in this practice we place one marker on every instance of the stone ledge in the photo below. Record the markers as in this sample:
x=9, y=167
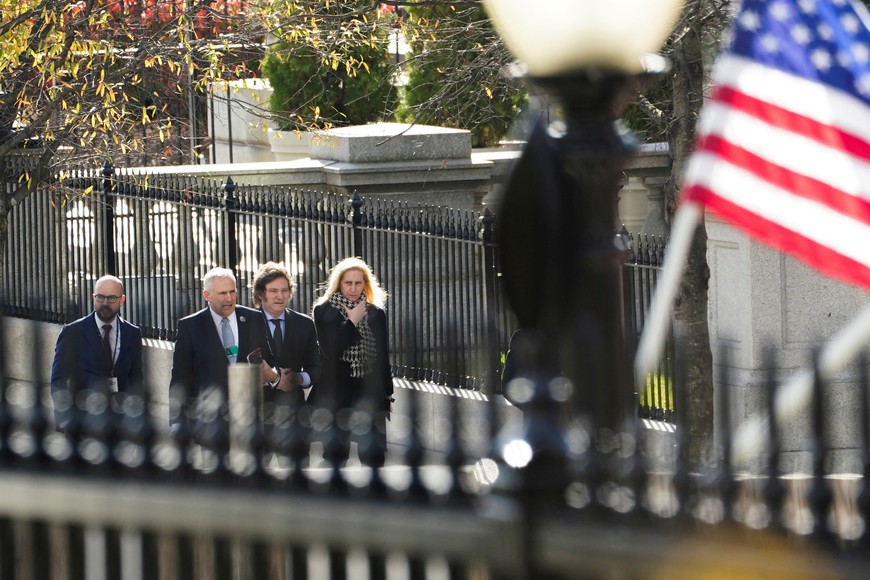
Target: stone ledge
x=390, y=142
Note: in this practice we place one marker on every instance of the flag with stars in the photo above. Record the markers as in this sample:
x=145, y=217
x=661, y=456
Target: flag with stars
x=783, y=144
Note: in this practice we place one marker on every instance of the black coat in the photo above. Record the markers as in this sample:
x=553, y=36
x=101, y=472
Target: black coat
x=78, y=356
x=79, y=362
x=200, y=361
x=337, y=389
x=300, y=351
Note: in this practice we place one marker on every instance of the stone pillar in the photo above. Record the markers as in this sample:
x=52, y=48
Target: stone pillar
x=632, y=205
x=761, y=298
x=419, y=164
x=655, y=224
x=652, y=166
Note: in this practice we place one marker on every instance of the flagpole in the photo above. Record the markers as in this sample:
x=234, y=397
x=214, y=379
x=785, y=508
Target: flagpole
x=795, y=394
x=649, y=349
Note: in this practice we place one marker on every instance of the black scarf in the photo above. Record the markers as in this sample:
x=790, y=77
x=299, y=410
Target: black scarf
x=360, y=356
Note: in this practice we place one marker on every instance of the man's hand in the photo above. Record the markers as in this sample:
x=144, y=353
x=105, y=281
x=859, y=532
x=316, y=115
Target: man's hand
x=290, y=379
x=287, y=380
x=356, y=313
x=267, y=373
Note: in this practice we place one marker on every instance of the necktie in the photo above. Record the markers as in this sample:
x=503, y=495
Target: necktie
x=107, y=347
x=278, y=336
x=227, y=338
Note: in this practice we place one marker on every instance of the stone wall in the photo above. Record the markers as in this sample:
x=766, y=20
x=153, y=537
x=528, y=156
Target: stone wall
x=417, y=164
x=761, y=298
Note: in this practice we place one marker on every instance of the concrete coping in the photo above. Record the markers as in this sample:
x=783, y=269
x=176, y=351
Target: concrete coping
x=380, y=142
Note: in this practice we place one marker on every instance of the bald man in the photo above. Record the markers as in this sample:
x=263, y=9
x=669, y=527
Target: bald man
x=101, y=351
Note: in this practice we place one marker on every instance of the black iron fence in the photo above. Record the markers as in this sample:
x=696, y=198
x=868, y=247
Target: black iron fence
x=117, y=497
x=645, y=259
x=160, y=233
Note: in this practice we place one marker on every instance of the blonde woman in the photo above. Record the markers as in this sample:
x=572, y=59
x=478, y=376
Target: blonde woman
x=355, y=368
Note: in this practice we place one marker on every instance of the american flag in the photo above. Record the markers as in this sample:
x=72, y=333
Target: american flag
x=783, y=145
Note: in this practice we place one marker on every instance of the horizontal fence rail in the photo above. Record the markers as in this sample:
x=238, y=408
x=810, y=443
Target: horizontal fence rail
x=160, y=234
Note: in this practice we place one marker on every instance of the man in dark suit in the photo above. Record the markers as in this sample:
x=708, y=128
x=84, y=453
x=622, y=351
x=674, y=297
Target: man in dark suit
x=101, y=351
x=292, y=337
x=217, y=336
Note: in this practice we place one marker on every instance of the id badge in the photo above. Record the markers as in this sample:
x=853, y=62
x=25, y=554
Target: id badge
x=113, y=384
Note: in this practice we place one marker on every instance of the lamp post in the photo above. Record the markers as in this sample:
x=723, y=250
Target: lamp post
x=560, y=266
x=109, y=217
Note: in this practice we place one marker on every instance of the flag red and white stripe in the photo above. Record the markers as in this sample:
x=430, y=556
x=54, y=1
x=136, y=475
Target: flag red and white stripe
x=783, y=153
x=785, y=156
x=788, y=161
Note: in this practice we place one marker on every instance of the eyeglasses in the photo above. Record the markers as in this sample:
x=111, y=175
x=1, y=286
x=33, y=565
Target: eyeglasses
x=110, y=299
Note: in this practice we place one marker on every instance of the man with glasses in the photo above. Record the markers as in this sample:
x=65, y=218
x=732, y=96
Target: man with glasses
x=101, y=351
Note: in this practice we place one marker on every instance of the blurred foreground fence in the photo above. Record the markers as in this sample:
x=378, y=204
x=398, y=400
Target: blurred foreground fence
x=117, y=497
x=160, y=233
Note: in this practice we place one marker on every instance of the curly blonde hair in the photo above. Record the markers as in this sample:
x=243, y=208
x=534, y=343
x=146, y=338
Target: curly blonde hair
x=374, y=293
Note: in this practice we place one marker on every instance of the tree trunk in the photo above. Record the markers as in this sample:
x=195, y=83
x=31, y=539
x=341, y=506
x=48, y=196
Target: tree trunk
x=690, y=311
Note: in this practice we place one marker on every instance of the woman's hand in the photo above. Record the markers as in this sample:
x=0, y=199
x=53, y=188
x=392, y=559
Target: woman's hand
x=356, y=313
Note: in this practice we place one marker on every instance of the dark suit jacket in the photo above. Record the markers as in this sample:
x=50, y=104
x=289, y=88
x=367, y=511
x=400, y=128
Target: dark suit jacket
x=336, y=334
x=199, y=360
x=300, y=351
x=79, y=363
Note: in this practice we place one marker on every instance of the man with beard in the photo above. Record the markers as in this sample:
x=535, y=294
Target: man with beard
x=100, y=352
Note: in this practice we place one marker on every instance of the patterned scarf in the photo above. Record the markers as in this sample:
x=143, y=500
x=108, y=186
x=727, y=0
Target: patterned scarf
x=360, y=356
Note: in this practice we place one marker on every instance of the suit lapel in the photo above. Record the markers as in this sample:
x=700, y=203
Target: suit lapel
x=124, y=341
x=247, y=327
x=92, y=334
x=244, y=346
x=210, y=331
x=294, y=339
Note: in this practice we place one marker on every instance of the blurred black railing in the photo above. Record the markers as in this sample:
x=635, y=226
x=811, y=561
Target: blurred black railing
x=160, y=233
x=117, y=497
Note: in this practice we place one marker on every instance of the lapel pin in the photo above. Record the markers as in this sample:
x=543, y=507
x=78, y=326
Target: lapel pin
x=241, y=318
